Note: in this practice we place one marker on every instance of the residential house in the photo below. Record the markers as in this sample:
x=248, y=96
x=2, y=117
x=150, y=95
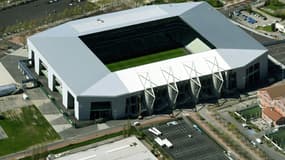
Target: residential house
x=272, y=101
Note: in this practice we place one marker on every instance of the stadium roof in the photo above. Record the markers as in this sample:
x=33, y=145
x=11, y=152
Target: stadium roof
x=65, y=52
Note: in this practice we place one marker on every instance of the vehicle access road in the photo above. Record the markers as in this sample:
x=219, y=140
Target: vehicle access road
x=33, y=10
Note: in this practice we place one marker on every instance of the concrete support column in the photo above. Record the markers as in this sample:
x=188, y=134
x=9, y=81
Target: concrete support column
x=241, y=76
x=149, y=99
x=50, y=80
x=217, y=83
x=171, y=85
x=118, y=107
x=172, y=93
x=64, y=96
x=37, y=64
x=148, y=91
x=264, y=67
x=82, y=110
x=76, y=109
x=227, y=79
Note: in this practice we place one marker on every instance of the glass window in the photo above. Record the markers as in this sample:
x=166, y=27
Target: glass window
x=250, y=69
x=100, y=105
x=256, y=66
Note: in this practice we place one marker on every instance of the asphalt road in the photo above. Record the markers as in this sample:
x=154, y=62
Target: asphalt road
x=33, y=10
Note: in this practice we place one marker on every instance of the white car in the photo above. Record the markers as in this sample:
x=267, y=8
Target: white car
x=253, y=143
x=136, y=123
x=173, y=123
x=258, y=140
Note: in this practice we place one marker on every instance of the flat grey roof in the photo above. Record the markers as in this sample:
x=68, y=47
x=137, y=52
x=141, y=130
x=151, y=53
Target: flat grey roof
x=74, y=63
x=277, y=51
x=217, y=29
x=126, y=149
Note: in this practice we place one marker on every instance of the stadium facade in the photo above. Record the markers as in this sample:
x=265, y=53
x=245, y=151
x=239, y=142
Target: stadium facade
x=74, y=57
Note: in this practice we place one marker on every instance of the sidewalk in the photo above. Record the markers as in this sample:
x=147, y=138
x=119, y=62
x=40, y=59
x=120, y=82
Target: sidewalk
x=213, y=135
x=207, y=115
x=234, y=2
x=48, y=110
x=81, y=138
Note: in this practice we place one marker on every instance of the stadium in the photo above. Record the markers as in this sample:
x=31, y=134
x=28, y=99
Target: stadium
x=146, y=60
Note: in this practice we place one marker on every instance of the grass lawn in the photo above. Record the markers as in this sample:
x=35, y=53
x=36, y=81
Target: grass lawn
x=147, y=59
x=72, y=146
x=214, y=3
x=276, y=6
x=25, y=127
x=279, y=137
x=266, y=28
x=251, y=113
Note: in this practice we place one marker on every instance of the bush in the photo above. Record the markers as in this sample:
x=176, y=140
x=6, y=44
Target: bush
x=215, y=3
x=2, y=117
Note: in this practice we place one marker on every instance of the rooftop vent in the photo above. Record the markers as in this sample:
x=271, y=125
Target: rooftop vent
x=100, y=20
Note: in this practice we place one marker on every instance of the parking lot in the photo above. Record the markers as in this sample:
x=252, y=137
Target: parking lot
x=198, y=147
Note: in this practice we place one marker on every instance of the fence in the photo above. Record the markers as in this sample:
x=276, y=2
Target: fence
x=276, y=145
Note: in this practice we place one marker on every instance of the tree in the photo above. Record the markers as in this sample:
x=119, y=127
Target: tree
x=39, y=151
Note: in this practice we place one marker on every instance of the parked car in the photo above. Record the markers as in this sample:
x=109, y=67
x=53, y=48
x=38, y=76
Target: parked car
x=136, y=123
x=52, y=1
x=258, y=140
x=253, y=143
x=173, y=123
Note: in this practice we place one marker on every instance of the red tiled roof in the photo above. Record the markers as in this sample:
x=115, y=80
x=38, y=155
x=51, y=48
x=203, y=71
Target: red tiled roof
x=272, y=114
x=275, y=91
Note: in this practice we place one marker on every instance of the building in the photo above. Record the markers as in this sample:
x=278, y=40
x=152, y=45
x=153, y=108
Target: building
x=272, y=101
x=279, y=27
x=125, y=149
x=76, y=56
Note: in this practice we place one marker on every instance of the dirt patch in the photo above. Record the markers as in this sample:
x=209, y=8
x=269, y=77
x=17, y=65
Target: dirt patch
x=19, y=40
x=6, y=46
x=14, y=114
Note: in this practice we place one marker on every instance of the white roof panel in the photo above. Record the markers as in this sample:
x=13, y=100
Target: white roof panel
x=132, y=80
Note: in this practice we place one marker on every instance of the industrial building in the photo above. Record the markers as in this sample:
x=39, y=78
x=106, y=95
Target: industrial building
x=75, y=57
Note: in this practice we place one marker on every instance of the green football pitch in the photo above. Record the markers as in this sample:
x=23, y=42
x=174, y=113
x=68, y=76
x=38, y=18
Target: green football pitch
x=147, y=59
